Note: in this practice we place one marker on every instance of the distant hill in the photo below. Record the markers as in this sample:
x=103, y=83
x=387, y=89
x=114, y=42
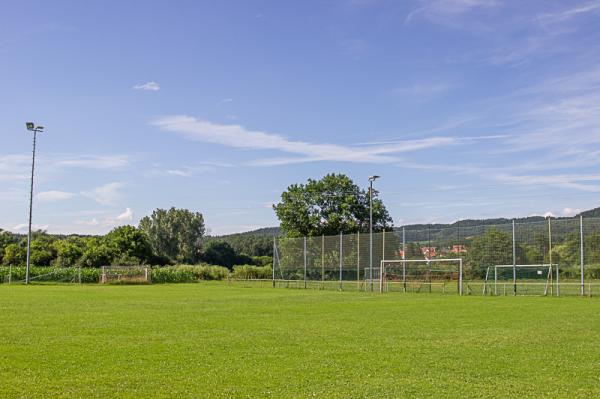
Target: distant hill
x=275, y=231
x=592, y=213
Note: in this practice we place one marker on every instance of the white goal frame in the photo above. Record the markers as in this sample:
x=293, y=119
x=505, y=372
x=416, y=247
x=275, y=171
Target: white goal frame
x=110, y=274
x=382, y=269
x=547, y=266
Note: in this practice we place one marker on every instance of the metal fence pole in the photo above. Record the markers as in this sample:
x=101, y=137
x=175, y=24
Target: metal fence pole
x=460, y=277
x=358, y=261
x=514, y=254
x=404, y=258
x=305, y=262
x=274, y=253
x=341, y=257
x=550, y=257
x=581, y=254
x=323, y=261
x=381, y=266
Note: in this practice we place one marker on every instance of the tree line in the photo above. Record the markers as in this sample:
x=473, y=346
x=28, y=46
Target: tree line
x=166, y=237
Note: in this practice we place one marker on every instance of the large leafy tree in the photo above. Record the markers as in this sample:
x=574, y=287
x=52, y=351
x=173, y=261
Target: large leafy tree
x=175, y=234
x=492, y=248
x=6, y=238
x=219, y=253
x=129, y=242
x=329, y=206
x=96, y=253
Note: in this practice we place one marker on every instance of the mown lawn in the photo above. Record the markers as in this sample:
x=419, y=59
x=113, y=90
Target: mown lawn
x=215, y=341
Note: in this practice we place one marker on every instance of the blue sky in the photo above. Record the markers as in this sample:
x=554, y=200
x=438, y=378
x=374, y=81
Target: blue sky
x=466, y=108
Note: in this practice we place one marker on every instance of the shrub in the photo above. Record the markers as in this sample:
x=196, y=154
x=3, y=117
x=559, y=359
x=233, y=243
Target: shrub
x=249, y=272
x=51, y=274
x=188, y=273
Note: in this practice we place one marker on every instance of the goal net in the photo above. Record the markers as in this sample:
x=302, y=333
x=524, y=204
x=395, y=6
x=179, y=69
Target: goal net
x=520, y=279
x=125, y=275
x=421, y=275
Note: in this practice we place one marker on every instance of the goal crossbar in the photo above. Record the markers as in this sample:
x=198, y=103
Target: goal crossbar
x=404, y=262
x=548, y=267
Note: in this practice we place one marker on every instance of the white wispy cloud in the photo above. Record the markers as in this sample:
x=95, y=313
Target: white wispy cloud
x=570, y=212
x=105, y=221
x=446, y=12
x=93, y=161
x=107, y=194
x=148, y=86
x=14, y=167
x=568, y=13
x=126, y=216
x=237, y=136
x=54, y=195
x=23, y=227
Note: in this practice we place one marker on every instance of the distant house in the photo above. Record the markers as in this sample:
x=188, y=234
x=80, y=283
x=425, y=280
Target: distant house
x=458, y=249
x=428, y=252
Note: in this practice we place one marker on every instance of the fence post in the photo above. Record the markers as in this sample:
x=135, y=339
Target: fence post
x=514, y=254
x=404, y=258
x=323, y=261
x=304, y=262
x=358, y=261
x=550, y=257
x=460, y=277
x=581, y=250
x=274, y=253
x=341, y=257
x=381, y=267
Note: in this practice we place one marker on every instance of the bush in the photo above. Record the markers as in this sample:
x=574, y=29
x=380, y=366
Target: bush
x=188, y=273
x=249, y=272
x=51, y=274
x=262, y=260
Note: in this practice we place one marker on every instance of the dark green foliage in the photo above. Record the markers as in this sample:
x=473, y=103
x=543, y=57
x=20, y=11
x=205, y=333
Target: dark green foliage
x=96, y=253
x=219, y=253
x=329, y=206
x=175, y=234
x=15, y=254
x=129, y=242
x=68, y=251
x=248, y=243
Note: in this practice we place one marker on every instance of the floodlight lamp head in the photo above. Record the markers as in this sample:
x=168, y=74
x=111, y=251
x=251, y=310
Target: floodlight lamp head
x=374, y=177
x=30, y=125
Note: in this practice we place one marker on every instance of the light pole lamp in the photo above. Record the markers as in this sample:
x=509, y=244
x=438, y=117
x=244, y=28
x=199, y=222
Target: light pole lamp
x=35, y=129
x=371, y=180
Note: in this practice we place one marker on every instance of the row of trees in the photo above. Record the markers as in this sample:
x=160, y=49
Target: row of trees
x=172, y=236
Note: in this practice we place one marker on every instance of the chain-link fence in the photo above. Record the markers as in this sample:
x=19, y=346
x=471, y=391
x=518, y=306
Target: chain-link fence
x=548, y=257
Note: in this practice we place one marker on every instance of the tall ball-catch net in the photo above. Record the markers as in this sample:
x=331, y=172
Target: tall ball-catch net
x=422, y=275
x=125, y=275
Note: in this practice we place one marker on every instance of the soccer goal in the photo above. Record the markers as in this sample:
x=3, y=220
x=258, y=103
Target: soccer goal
x=417, y=275
x=531, y=279
x=125, y=275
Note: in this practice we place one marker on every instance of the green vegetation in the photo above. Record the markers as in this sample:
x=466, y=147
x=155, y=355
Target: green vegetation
x=329, y=206
x=166, y=237
x=212, y=340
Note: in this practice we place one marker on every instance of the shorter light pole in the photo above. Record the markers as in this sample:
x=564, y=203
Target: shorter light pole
x=371, y=180
x=35, y=129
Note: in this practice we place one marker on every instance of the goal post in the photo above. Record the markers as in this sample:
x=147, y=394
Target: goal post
x=422, y=271
x=534, y=278
x=125, y=275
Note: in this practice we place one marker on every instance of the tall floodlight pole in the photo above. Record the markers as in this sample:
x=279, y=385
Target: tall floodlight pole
x=371, y=180
x=35, y=129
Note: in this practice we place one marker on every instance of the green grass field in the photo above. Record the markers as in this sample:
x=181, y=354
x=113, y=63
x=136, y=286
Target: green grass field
x=212, y=340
